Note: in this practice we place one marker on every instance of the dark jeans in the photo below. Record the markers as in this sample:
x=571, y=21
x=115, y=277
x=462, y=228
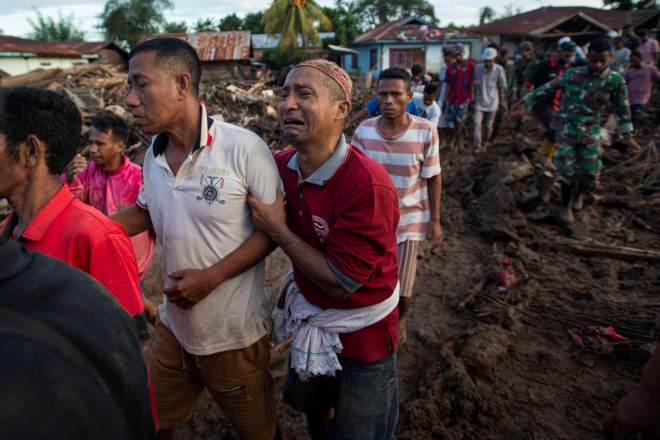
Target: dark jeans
x=635, y=113
x=365, y=398
x=544, y=112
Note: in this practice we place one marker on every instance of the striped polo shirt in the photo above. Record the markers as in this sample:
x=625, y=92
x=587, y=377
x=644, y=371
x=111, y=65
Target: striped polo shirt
x=410, y=158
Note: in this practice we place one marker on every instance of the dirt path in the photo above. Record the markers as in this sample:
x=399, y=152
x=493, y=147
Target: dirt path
x=486, y=364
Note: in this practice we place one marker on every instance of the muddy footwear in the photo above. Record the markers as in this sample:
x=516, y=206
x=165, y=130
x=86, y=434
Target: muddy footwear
x=565, y=212
x=566, y=215
x=546, y=151
x=578, y=202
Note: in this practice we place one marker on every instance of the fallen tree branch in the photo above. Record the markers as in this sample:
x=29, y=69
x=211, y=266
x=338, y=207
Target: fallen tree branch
x=605, y=250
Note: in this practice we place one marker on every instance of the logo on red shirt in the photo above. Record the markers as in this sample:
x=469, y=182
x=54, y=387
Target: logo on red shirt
x=321, y=228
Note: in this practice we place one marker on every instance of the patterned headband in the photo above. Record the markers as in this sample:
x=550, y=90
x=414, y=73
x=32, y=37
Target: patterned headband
x=333, y=71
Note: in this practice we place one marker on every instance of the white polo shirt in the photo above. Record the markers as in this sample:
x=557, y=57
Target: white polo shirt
x=200, y=216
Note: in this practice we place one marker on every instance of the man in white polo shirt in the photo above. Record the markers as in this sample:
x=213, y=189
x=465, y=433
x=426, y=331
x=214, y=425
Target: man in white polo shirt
x=198, y=174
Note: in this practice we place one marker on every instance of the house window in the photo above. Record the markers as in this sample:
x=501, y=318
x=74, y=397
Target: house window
x=354, y=61
x=373, y=58
x=401, y=58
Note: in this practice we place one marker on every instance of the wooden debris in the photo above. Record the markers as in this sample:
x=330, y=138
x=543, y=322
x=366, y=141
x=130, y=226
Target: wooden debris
x=478, y=288
x=605, y=250
x=40, y=75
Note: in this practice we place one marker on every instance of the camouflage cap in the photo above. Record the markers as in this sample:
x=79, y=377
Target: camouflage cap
x=568, y=46
x=525, y=46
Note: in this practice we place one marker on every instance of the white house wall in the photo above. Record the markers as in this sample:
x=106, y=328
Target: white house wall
x=433, y=56
x=18, y=66
x=434, y=59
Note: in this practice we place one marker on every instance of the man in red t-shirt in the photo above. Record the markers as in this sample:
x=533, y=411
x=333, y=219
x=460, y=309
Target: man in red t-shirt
x=460, y=82
x=341, y=239
x=39, y=135
x=110, y=183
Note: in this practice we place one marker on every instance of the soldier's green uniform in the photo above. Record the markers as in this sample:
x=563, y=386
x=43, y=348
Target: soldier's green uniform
x=523, y=68
x=584, y=96
x=510, y=72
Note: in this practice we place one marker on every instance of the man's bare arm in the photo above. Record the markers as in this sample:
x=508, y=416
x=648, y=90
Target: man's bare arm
x=193, y=285
x=271, y=218
x=638, y=411
x=133, y=219
x=357, y=118
x=435, y=195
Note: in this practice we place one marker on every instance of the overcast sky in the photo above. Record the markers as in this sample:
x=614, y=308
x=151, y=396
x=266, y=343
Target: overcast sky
x=15, y=14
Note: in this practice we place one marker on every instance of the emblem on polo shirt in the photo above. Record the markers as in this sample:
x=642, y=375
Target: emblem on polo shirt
x=321, y=228
x=210, y=189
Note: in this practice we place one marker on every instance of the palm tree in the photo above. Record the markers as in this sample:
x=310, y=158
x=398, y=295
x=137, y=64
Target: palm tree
x=291, y=18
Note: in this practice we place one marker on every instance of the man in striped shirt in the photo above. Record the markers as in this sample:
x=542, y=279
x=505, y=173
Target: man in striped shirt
x=407, y=147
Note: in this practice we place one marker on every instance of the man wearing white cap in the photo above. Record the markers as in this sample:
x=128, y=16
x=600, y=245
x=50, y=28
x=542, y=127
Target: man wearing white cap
x=620, y=56
x=490, y=83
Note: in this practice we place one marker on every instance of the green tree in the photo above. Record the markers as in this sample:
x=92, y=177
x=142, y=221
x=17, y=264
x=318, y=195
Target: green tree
x=205, y=25
x=275, y=58
x=454, y=26
x=124, y=21
x=293, y=18
x=344, y=23
x=48, y=29
x=631, y=5
x=486, y=14
x=509, y=11
x=372, y=13
x=175, y=27
x=252, y=22
x=230, y=22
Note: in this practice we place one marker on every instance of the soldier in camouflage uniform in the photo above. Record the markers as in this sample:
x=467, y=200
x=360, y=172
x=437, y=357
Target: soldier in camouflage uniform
x=522, y=69
x=504, y=60
x=585, y=93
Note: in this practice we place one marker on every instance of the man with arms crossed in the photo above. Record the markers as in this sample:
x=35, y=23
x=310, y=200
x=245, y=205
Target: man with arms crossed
x=198, y=173
x=341, y=239
x=408, y=148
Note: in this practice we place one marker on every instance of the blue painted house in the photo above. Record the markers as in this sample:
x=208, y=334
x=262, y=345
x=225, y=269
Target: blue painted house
x=406, y=42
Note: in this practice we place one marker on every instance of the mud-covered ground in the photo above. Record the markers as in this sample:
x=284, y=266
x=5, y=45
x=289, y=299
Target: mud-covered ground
x=485, y=364
x=481, y=363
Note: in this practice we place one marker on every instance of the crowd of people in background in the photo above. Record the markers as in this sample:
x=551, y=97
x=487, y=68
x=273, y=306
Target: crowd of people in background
x=214, y=197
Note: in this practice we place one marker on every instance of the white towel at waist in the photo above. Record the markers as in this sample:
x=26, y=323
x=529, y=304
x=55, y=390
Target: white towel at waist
x=315, y=330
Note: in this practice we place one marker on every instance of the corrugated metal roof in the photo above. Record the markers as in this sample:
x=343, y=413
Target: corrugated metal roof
x=38, y=48
x=536, y=21
x=63, y=49
x=267, y=41
x=215, y=46
x=415, y=29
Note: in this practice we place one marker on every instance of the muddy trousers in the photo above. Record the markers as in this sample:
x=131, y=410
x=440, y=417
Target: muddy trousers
x=483, y=124
x=578, y=156
x=544, y=113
